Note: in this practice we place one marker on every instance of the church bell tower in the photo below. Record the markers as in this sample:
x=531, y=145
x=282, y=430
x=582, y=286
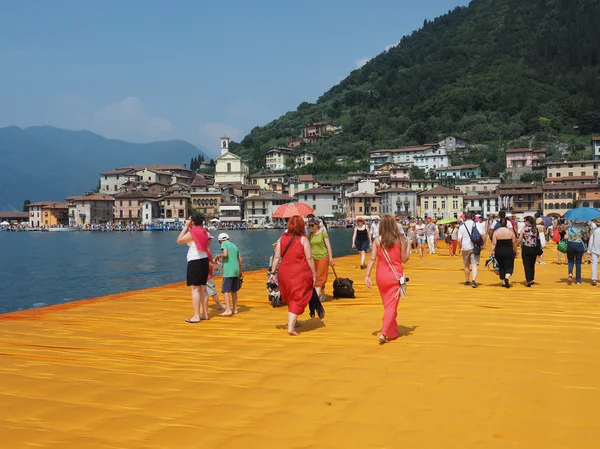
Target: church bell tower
x=224, y=145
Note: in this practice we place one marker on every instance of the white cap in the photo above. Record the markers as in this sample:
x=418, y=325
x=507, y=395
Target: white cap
x=223, y=236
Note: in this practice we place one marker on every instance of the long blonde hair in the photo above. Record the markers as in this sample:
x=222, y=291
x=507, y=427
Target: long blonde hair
x=388, y=230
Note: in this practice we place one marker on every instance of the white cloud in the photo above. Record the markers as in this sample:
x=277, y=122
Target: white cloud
x=211, y=132
x=129, y=120
x=361, y=62
x=390, y=46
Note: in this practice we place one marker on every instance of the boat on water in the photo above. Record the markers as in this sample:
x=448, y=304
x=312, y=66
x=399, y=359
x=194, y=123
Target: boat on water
x=64, y=229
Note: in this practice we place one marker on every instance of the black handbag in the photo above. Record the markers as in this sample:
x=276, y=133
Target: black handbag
x=342, y=287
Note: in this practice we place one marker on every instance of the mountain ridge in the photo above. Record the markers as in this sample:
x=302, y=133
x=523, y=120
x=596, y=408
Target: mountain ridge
x=45, y=162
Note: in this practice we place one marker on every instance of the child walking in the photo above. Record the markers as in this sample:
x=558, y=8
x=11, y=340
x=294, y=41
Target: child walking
x=232, y=264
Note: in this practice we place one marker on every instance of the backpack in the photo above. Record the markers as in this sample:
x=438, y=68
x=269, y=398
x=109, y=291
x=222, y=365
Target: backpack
x=342, y=287
x=475, y=237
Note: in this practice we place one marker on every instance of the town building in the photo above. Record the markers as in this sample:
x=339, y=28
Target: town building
x=483, y=203
x=399, y=172
x=140, y=177
x=400, y=202
x=318, y=129
x=262, y=180
x=250, y=190
x=478, y=185
x=457, y=172
x=150, y=210
x=230, y=169
x=175, y=207
x=111, y=181
x=453, y=144
x=304, y=158
x=559, y=197
x=589, y=196
x=364, y=205
x=414, y=184
x=48, y=214
x=521, y=198
x=90, y=209
x=518, y=158
x=427, y=157
x=596, y=148
x=230, y=212
x=279, y=158
x=14, y=217
x=440, y=202
x=258, y=210
x=153, y=175
x=302, y=182
x=206, y=202
x=572, y=171
x=323, y=201
x=129, y=206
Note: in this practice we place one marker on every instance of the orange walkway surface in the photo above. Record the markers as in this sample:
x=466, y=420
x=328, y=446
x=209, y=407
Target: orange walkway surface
x=474, y=368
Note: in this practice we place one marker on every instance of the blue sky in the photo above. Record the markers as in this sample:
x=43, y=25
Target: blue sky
x=144, y=70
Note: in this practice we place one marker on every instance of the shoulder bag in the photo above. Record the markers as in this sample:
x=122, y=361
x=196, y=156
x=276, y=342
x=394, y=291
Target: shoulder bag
x=401, y=279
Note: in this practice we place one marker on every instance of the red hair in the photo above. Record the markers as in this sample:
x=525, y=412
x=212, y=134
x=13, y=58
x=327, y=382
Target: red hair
x=296, y=226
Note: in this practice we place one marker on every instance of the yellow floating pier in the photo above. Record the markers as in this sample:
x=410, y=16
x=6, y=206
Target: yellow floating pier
x=474, y=368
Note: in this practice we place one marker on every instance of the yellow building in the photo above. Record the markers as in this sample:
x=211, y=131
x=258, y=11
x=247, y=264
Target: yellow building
x=262, y=180
x=440, y=202
x=48, y=214
x=364, y=205
x=279, y=158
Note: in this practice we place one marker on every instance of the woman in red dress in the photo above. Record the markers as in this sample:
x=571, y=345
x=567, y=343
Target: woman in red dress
x=296, y=273
x=390, y=250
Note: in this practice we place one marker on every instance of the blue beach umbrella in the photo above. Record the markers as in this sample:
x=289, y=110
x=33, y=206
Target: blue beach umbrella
x=582, y=214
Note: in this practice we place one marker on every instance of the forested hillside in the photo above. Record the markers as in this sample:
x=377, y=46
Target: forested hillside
x=492, y=71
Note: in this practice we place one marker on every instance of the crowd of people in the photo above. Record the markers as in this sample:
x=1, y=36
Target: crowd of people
x=303, y=255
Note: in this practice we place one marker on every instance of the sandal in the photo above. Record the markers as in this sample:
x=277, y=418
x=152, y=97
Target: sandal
x=383, y=339
x=570, y=280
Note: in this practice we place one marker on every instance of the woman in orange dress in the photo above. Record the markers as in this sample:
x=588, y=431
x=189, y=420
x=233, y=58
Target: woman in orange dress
x=391, y=250
x=296, y=274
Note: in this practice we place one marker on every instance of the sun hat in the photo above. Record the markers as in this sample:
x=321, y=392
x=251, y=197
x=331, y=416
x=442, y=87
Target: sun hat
x=223, y=236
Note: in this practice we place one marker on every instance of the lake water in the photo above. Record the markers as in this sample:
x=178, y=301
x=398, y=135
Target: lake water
x=45, y=268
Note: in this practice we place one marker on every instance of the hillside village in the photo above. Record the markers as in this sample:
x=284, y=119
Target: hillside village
x=147, y=195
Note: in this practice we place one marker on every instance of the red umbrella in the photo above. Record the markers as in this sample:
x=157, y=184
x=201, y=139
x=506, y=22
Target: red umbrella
x=290, y=209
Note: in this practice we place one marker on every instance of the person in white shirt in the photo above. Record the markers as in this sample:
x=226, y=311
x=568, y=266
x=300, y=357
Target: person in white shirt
x=594, y=250
x=432, y=233
x=375, y=229
x=481, y=225
x=470, y=259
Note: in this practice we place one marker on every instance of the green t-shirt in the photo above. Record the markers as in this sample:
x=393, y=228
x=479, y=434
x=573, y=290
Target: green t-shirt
x=317, y=242
x=231, y=264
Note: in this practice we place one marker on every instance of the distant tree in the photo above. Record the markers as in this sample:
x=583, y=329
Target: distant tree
x=416, y=173
x=25, y=204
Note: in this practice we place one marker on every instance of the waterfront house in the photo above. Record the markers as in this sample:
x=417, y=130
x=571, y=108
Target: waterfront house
x=131, y=207
x=230, y=212
x=440, y=202
x=175, y=206
x=230, y=169
x=457, y=172
x=397, y=201
x=90, y=209
x=366, y=205
x=13, y=217
x=520, y=198
x=258, y=210
x=572, y=171
x=48, y=214
x=483, y=203
x=323, y=201
x=589, y=196
x=559, y=197
x=427, y=157
x=206, y=202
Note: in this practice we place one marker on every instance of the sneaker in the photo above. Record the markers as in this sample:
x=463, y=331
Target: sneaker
x=594, y=283
x=569, y=280
x=467, y=283
x=323, y=297
x=474, y=284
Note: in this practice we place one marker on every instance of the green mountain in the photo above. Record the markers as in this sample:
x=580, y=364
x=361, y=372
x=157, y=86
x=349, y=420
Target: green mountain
x=494, y=70
x=46, y=163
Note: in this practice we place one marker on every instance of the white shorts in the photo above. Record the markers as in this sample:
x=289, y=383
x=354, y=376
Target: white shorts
x=211, y=288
